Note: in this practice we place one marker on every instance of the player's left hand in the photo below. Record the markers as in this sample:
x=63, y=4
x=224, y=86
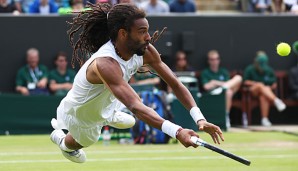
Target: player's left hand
x=211, y=129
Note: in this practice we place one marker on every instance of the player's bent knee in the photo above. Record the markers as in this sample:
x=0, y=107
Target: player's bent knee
x=123, y=121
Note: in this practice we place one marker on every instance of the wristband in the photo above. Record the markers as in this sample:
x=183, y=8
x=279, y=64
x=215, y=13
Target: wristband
x=196, y=114
x=170, y=128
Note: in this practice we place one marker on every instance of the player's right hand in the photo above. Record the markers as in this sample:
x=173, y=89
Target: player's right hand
x=184, y=137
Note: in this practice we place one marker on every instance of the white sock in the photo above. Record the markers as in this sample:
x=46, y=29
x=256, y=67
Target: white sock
x=63, y=146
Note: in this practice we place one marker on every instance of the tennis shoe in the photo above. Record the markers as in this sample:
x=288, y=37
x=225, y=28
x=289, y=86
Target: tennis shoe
x=77, y=156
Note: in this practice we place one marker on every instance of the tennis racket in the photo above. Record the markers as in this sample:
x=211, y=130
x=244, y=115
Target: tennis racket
x=202, y=143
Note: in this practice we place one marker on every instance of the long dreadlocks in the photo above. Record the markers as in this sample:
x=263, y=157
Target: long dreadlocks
x=99, y=24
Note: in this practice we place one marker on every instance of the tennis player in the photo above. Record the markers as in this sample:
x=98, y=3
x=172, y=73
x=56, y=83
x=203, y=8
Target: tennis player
x=118, y=39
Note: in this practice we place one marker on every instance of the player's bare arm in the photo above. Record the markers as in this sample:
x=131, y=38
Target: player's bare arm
x=109, y=73
x=152, y=58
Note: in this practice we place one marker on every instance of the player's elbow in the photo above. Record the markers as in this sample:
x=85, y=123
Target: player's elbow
x=139, y=109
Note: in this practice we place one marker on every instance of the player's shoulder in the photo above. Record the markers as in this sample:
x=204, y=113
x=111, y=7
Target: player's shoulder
x=107, y=64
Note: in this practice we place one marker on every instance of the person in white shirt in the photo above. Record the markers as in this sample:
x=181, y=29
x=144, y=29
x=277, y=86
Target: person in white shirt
x=118, y=39
x=155, y=7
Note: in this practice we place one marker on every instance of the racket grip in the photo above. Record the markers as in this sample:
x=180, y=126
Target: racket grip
x=197, y=141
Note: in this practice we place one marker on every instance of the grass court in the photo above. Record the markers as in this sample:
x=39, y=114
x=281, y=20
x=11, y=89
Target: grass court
x=268, y=151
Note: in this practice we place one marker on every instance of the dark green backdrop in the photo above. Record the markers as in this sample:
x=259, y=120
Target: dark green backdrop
x=237, y=37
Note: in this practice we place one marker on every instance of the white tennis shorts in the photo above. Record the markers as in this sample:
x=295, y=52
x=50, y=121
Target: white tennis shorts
x=83, y=134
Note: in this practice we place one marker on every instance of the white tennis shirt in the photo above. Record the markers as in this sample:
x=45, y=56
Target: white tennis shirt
x=91, y=104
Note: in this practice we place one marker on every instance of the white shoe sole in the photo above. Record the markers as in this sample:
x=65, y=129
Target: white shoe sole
x=77, y=156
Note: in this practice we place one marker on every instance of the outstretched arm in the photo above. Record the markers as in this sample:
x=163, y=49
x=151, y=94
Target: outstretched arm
x=152, y=58
x=109, y=72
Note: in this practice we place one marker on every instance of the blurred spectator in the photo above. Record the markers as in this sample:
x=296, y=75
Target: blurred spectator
x=182, y=6
x=75, y=6
x=5, y=7
x=262, y=6
x=215, y=79
x=127, y=1
x=278, y=6
x=184, y=71
x=293, y=82
x=61, y=78
x=136, y=2
x=289, y=4
x=293, y=75
x=155, y=7
x=143, y=77
x=261, y=80
x=294, y=8
x=23, y=5
x=32, y=78
x=245, y=5
x=181, y=63
x=43, y=7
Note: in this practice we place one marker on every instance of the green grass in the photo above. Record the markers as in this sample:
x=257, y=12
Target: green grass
x=268, y=151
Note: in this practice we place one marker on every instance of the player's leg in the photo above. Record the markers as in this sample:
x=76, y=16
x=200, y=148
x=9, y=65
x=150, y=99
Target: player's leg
x=77, y=138
x=71, y=143
x=69, y=147
x=264, y=107
x=121, y=120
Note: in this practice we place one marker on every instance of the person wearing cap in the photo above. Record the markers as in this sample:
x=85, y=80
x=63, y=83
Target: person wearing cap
x=261, y=80
x=293, y=75
x=215, y=79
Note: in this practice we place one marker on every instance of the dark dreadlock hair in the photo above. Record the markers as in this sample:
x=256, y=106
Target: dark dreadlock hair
x=99, y=24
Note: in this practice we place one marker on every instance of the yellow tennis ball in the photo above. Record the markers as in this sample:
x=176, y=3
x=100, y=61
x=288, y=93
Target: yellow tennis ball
x=283, y=49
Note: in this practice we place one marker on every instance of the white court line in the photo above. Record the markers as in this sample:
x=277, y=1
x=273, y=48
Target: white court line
x=283, y=156
x=126, y=151
x=90, y=152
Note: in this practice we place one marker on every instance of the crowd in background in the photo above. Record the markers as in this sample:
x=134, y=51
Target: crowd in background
x=150, y=6
x=259, y=78
x=35, y=78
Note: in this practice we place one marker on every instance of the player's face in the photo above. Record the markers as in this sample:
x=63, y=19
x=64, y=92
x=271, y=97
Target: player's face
x=138, y=38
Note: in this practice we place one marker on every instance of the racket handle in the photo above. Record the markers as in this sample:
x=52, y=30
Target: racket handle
x=197, y=141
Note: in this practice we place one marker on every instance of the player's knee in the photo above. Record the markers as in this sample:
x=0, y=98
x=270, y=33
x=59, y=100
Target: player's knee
x=122, y=120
